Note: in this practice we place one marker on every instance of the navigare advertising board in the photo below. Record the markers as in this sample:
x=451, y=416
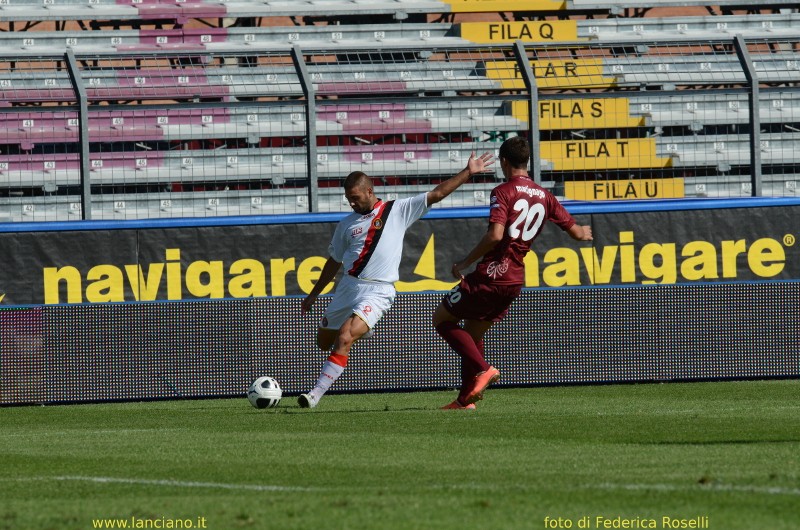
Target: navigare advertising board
x=257, y=260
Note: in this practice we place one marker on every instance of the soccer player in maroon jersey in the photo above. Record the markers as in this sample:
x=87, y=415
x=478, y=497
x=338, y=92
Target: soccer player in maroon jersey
x=518, y=209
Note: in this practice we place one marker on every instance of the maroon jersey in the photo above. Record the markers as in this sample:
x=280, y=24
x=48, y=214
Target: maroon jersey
x=522, y=207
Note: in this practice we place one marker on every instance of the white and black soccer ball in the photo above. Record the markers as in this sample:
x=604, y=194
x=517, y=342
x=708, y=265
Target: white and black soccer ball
x=264, y=393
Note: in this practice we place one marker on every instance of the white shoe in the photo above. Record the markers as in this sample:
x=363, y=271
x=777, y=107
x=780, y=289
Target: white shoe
x=306, y=401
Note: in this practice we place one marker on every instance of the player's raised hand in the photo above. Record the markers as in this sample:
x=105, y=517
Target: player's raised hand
x=479, y=164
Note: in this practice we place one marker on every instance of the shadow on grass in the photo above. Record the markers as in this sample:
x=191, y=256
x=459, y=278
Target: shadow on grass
x=298, y=410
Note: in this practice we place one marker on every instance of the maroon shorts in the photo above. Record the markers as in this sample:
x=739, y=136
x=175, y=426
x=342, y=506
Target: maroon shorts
x=476, y=299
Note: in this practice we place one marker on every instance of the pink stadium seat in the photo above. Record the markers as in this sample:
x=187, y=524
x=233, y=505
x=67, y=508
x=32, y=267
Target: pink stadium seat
x=374, y=119
x=48, y=162
x=27, y=95
x=71, y=161
x=180, y=12
x=160, y=36
x=29, y=128
x=159, y=84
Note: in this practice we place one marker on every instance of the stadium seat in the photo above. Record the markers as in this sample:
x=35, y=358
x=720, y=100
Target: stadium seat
x=697, y=109
x=276, y=38
x=178, y=12
x=190, y=120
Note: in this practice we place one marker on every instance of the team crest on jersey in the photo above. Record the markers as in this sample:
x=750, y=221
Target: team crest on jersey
x=377, y=224
x=497, y=269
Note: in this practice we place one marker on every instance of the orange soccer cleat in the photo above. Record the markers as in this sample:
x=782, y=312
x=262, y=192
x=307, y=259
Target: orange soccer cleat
x=482, y=380
x=455, y=405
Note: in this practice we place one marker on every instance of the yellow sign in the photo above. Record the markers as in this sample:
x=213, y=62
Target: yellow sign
x=557, y=73
x=623, y=153
x=608, y=190
x=595, y=113
x=489, y=32
x=426, y=268
x=489, y=6
x=201, y=279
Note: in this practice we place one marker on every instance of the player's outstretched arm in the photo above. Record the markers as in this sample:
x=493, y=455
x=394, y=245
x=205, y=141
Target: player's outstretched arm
x=474, y=165
x=580, y=233
x=327, y=275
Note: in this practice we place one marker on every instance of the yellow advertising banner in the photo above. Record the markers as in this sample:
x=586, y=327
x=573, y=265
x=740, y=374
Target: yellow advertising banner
x=622, y=153
x=494, y=32
x=556, y=73
x=594, y=113
x=488, y=6
x=144, y=264
x=609, y=190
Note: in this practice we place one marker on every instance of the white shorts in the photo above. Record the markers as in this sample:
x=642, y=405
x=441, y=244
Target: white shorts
x=368, y=300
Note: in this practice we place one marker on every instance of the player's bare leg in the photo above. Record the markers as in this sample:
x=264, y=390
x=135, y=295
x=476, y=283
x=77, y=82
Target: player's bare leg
x=342, y=341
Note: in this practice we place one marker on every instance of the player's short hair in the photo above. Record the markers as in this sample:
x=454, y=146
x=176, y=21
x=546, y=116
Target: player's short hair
x=517, y=151
x=357, y=179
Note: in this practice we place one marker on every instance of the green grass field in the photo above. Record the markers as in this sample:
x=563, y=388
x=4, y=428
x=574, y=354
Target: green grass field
x=728, y=452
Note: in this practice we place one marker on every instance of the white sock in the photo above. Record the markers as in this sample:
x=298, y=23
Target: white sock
x=330, y=373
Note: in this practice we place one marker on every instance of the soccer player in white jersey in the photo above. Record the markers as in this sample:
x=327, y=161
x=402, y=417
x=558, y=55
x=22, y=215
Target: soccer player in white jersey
x=369, y=243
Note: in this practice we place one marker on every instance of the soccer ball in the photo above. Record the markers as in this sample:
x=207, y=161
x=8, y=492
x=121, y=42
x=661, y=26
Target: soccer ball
x=264, y=393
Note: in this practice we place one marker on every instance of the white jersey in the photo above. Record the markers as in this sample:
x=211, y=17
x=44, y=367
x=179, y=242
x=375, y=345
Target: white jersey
x=370, y=246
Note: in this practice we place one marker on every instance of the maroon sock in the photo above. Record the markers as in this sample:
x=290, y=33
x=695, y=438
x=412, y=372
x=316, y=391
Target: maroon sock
x=462, y=343
x=469, y=370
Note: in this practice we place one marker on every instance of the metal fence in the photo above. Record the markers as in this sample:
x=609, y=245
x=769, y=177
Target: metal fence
x=260, y=130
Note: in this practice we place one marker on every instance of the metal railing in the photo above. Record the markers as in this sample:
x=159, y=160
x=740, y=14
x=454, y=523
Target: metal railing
x=188, y=134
